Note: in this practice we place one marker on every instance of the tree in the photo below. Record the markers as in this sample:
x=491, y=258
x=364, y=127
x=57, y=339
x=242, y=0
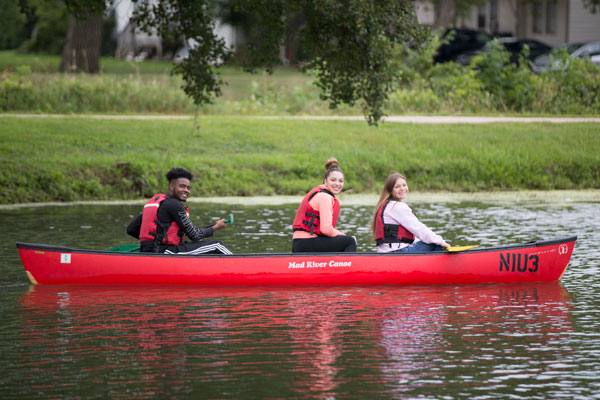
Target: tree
x=352, y=43
x=81, y=52
x=13, y=31
x=592, y=5
x=47, y=23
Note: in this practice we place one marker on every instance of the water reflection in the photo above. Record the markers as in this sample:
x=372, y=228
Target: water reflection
x=308, y=342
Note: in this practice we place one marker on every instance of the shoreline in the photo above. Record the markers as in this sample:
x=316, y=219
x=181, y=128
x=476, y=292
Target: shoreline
x=369, y=199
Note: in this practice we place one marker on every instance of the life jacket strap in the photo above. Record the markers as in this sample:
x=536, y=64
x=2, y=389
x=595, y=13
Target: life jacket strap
x=311, y=222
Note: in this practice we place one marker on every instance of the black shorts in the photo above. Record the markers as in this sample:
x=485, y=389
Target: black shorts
x=324, y=244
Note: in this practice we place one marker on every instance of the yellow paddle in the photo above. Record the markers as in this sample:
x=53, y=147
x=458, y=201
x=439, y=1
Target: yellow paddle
x=454, y=249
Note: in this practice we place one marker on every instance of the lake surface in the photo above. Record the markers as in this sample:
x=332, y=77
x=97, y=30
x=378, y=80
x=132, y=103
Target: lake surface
x=525, y=341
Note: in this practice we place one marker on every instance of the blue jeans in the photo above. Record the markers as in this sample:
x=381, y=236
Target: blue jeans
x=419, y=247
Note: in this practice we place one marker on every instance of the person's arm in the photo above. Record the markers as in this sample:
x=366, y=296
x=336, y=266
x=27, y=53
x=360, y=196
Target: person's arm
x=173, y=209
x=134, y=227
x=324, y=203
x=404, y=216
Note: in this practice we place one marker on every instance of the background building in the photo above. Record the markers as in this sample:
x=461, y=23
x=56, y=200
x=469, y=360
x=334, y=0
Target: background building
x=552, y=22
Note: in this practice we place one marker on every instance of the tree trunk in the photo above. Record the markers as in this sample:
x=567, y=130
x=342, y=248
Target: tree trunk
x=82, y=48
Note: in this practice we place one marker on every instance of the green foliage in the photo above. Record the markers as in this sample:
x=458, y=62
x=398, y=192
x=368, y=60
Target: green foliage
x=126, y=159
x=51, y=23
x=192, y=19
x=489, y=86
x=13, y=31
x=492, y=84
x=23, y=91
x=574, y=83
x=281, y=93
x=460, y=88
x=511, y=87
x=351, y=42
x=354, y=43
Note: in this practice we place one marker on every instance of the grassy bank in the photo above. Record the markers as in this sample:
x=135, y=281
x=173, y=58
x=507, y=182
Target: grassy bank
x=65, y=159
x=490, y=86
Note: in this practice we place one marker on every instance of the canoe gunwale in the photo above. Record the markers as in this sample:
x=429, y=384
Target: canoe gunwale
x=535, y=243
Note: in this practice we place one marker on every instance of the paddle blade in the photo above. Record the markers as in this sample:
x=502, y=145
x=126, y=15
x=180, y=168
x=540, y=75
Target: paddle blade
x=454, y=249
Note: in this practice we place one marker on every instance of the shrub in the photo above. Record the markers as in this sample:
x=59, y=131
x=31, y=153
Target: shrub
x=511, y=88
x=575, y=83
x=491, y=83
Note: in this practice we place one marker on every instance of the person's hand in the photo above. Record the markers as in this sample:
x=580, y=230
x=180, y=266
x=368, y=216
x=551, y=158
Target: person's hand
x=220, y=224
x=445, y=245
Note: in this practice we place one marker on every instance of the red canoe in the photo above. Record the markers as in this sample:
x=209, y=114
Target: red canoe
x=539, y=261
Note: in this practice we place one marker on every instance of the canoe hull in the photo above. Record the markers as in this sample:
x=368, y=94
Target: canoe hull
x=540, y=261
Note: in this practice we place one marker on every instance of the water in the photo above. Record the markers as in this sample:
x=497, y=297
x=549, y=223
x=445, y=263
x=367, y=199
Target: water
x=526, y=341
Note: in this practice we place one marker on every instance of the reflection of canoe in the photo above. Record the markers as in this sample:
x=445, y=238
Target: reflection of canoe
x=539, y=261
x=198, y=339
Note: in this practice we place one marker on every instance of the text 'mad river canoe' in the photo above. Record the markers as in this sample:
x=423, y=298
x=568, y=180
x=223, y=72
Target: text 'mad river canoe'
x=538, y=261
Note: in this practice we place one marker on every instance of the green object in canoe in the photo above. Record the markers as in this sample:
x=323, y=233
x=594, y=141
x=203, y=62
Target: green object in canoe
x=126, y=248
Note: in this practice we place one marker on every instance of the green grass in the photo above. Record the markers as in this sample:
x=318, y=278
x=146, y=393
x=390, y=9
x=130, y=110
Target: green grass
x=238, y=84
x=10, y=59
x=70, y=158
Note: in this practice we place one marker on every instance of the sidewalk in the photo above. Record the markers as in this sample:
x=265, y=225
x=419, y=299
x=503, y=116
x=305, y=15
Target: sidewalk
x=407, y=119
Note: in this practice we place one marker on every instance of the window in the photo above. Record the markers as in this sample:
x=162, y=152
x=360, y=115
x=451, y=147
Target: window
x=550, y=17
x=493, y=15
x=481, y=17
x=537, y=16
x=493, y=9
x=543, y=16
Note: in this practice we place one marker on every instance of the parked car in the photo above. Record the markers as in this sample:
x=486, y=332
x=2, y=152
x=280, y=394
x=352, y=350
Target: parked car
x=513, y=45
x=589, y=50
x=463, y=40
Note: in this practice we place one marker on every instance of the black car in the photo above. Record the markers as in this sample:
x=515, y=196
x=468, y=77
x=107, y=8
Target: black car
x=463, y=40
x=513, y=45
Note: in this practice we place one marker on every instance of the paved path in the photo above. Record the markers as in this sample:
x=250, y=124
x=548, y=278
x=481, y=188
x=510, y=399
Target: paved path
x=415, y=119
x=424, y=119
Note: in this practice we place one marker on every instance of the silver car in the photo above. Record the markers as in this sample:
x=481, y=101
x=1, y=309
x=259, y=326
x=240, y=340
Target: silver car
x=590, y=50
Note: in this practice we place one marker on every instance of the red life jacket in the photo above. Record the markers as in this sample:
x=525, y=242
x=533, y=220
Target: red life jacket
x=308, y=219
x=150, y=231
x=390, y=233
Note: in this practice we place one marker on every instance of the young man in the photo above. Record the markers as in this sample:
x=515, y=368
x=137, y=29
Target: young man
x=165, y=222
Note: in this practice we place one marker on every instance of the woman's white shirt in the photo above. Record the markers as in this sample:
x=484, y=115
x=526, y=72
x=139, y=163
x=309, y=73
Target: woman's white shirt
x=400, y=213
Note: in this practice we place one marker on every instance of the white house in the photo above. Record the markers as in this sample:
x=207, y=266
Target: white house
x=552, y=22
x=136, y=45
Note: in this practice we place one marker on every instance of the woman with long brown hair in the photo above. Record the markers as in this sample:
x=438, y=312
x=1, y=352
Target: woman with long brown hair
x=395, y=226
